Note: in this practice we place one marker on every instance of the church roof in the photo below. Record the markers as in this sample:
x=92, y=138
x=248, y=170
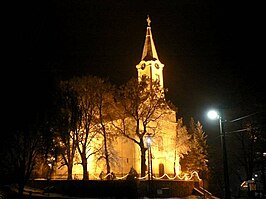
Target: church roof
x=149, y=51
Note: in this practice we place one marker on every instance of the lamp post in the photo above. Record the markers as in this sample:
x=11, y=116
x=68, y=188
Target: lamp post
x=215, y=115
x=149, y=141
x=150, y=186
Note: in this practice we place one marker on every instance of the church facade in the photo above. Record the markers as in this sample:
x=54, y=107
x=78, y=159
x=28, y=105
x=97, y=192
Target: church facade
x=161, y=157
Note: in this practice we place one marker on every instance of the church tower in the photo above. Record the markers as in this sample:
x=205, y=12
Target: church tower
x=162, y=158
x=150, y=64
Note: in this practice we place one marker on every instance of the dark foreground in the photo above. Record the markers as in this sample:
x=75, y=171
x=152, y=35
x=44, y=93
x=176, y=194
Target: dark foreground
x=112, y=189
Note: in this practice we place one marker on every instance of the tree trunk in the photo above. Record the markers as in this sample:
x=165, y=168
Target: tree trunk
x=108, y=168
x=69, y=171
x=143, y=165
x=20, y=190
x=84, y=166
x=143, y=158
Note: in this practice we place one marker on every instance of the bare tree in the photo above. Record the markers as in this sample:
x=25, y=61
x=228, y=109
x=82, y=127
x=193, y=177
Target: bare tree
x=94, y=97
x=248, y=143
x=85, y=89
x=66, y=128
x=140, y=104
x=21, y=150
x=105, y=105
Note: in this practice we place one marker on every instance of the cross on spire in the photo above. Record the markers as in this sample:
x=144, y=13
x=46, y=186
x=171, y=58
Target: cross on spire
x=148, y=20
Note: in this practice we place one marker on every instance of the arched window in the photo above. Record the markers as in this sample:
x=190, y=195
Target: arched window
x=161, y=169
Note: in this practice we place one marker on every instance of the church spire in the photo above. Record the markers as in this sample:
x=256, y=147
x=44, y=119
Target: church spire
x=149, y=51
x=150, y=65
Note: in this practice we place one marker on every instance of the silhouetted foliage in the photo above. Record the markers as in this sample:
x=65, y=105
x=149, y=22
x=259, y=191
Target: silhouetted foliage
x=197, y=157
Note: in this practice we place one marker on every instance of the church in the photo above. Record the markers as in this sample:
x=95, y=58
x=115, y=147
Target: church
x=161, y=157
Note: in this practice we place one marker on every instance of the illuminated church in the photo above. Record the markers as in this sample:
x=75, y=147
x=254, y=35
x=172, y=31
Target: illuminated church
x=163, y=155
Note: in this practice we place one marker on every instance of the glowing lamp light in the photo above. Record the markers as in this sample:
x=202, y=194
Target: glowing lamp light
x=149, y=140
x=213, y=115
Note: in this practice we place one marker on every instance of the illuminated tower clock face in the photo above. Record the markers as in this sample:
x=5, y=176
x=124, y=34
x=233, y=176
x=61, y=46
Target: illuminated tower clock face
x=157, y=66
x=143, y=66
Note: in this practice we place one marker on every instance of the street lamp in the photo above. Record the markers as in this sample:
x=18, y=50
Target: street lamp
x=215, y=115
x=149, y=141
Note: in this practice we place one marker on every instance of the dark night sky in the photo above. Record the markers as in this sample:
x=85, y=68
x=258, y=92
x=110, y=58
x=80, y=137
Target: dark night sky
x=211, y=50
